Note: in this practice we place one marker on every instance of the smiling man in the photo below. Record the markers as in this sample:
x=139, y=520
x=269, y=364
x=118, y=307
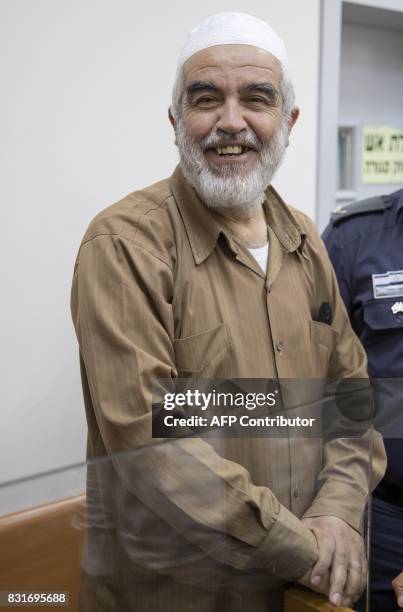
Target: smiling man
x=209, y=274
x=233, y=129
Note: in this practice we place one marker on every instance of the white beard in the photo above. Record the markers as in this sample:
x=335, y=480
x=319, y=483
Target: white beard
x=230, y=186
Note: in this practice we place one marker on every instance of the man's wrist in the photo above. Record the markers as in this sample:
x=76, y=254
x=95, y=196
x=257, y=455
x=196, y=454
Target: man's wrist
x=288, y=562
x=339, y=499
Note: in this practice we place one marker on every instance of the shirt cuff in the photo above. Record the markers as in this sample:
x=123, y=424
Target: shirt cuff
x=289, y=550
x=337, y=498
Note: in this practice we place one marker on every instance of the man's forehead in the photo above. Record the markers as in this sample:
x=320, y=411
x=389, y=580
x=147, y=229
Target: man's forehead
x=224, y=60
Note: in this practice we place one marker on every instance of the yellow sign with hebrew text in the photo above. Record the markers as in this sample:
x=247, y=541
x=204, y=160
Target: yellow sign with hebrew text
x=382, y=157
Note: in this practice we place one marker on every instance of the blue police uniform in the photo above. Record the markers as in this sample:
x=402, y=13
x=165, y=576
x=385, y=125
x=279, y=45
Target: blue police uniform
x=365, y=243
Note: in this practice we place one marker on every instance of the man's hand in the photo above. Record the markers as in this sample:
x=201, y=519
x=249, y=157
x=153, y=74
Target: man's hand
x=397, y=585
x=342, y=565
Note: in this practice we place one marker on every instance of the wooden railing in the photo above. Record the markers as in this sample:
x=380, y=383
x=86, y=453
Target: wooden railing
x=302, y=600
x=40, y=549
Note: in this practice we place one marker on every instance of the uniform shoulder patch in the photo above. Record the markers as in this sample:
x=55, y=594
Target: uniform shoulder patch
x=361, y=207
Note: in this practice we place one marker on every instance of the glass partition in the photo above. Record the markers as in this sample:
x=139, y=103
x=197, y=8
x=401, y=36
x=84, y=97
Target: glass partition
x=200, y=518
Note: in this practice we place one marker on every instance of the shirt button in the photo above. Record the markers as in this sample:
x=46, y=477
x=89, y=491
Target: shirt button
x=280, y=345
x=296, y=491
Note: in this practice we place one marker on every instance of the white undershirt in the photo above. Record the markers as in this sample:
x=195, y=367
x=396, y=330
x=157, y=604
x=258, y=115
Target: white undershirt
x=261, y=254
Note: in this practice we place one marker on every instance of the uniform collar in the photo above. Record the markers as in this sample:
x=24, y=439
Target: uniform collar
x=204, y=226
x=394, y=199
x=400, y=203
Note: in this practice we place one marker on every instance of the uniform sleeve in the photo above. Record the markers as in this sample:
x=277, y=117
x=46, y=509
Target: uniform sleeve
x=352, y=466
x=121, y=305
x=333, y=239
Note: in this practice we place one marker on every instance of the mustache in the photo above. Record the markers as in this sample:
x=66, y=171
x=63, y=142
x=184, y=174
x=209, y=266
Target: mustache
x=243, y=138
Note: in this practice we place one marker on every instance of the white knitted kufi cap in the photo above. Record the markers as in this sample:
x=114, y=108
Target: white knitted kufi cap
x=233, y=29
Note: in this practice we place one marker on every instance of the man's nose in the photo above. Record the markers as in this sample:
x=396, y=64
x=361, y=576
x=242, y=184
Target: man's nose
x=231, y=118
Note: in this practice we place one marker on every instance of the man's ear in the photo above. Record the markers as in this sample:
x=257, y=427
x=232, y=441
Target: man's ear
x=293, y=118
x=171, y=118
x=173, y=122
x=292, y=121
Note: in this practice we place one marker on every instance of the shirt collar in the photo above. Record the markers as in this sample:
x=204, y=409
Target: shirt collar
x=204, y=228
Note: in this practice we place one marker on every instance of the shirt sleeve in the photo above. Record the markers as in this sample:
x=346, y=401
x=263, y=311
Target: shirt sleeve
x=352, y=466
x=121, y=305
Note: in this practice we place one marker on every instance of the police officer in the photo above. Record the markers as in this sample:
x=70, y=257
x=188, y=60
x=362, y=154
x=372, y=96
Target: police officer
x=365, y=244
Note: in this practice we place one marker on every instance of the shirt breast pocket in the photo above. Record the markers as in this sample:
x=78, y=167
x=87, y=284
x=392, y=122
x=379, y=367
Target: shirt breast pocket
x=323, y=341
x=207, y=354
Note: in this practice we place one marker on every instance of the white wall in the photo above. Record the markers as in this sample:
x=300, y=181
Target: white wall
x=86, y=85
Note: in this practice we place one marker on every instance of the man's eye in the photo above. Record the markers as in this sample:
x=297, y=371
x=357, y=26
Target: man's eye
x=260, y=100
x=205, y=101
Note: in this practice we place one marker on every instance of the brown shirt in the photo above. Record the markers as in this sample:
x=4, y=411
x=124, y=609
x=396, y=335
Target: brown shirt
x=161, y=289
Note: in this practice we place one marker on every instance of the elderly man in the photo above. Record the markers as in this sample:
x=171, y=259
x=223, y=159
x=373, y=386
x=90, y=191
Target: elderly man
x=210, y=275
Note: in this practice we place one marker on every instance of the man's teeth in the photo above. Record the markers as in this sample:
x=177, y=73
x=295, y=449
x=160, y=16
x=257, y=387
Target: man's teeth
x=234, y=150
